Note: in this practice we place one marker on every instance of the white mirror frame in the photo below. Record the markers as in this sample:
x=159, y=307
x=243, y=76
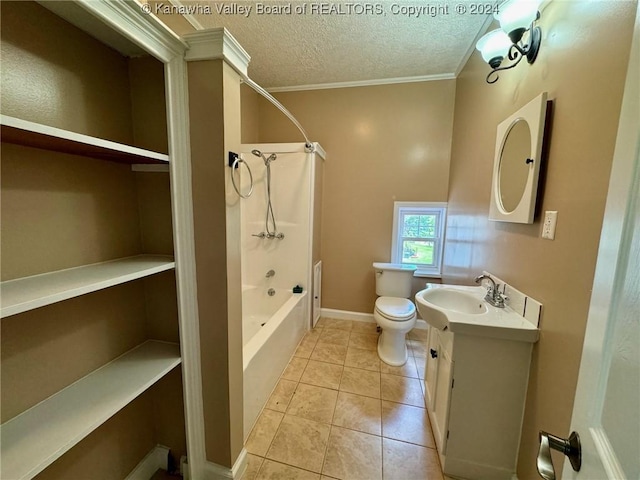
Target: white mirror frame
x=534, y=114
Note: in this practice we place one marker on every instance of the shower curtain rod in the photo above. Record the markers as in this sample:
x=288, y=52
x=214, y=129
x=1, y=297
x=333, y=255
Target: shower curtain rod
x=308, y=146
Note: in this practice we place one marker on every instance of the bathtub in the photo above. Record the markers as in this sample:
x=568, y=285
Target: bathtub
x=272, y=327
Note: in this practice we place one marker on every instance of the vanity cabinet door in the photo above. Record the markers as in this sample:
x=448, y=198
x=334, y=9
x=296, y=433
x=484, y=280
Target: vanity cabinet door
x=440, y=420
x=438, y=374
x=431, y=368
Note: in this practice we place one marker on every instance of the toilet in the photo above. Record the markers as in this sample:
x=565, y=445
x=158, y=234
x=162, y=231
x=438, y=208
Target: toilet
x=394, y=313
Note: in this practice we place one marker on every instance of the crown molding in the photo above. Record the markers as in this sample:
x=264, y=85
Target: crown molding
x=130, y=19
x=216, y=43
x=364, y=83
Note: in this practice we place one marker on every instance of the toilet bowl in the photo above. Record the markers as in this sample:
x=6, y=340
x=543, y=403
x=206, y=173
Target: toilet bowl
x=394, y=313
x=396, y=317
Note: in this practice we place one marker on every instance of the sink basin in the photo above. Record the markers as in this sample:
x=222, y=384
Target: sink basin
x=454, y=300
x=436, y=304
x=462, y=309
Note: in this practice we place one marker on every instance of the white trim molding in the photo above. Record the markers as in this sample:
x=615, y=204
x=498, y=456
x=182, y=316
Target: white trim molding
x=347, y=315
x=149, y=33
x=214, y=471
x=185, y=258
x=157, y=458
x=216, y=43
x=360, y=317
x=364, y=83
x=144, y=29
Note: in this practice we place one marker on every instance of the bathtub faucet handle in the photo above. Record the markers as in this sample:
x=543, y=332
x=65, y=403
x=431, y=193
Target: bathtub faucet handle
x=270, y=273
x=280, y=236
x=259, y=235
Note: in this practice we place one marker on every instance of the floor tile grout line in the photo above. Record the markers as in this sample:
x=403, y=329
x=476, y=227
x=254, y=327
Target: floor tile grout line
x=380, y=399
x=283, y=413
x=335, y=406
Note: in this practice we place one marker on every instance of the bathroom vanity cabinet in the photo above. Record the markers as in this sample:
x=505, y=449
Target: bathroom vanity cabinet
x=475, y=389
x=91, y=378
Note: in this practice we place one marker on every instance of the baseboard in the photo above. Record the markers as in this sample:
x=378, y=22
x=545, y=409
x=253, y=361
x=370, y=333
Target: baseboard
x=346, y=315
x=155, y=459
x=214, y=471
x=360, y=317
x=465, y=469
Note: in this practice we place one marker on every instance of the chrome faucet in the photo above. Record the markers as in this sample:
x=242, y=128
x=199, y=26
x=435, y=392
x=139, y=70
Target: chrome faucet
x=270, y=273
x=493, y=296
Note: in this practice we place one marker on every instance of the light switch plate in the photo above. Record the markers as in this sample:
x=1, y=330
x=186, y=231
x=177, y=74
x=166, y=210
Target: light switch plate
x=549, y=225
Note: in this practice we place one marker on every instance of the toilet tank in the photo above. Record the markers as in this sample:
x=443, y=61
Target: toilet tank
x=393, y=279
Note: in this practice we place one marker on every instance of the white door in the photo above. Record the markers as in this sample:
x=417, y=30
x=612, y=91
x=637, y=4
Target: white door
x=606, y=412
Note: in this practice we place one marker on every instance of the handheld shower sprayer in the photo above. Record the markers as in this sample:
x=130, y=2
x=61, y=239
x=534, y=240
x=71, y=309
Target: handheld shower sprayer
x=270, y=220
x=266, y=160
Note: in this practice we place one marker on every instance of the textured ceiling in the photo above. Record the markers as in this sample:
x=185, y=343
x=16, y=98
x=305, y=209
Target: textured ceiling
x=343, y=43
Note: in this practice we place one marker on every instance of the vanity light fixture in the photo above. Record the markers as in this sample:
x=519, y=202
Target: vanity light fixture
x=516, y=38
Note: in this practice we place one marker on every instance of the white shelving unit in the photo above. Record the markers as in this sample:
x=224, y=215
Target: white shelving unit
x=24, y=294
x=49, y=418
x=36, y=438
x=36, y=135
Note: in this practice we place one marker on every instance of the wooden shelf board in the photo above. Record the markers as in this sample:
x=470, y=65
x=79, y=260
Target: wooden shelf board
x=24, y=294
x=30, y=134
x=37, y=437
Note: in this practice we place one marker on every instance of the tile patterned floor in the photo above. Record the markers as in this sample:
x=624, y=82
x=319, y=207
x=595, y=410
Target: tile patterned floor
x=338, y=412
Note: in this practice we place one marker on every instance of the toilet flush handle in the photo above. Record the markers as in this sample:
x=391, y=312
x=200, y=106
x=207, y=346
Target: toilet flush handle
x=379, y=272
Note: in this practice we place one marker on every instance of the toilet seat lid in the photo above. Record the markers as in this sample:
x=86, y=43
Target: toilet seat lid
x=395, y=308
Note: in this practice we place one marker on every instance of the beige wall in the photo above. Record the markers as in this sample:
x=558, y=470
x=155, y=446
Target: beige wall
x=148, y=104
x=584, y=78
x=68, y=81
x=250, y=115
x=383, y=143
x=214, y=114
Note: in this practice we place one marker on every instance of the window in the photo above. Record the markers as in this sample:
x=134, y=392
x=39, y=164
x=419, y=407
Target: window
x=418, y=236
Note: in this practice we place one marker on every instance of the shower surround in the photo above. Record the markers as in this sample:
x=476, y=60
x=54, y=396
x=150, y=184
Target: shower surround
x=279, y=258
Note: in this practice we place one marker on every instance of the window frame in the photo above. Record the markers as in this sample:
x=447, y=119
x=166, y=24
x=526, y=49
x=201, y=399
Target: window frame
x=400, y=209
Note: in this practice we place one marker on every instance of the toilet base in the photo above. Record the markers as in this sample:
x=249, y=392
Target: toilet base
x=392, y=348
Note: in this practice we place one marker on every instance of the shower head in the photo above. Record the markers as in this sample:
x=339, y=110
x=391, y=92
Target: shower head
x=266, y=160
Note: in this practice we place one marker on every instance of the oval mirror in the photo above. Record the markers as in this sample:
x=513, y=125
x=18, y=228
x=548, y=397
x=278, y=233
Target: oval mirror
x=516, y=163
x=514, y=167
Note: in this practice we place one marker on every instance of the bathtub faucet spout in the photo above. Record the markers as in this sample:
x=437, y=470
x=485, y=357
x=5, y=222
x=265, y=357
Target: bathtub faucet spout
x=270, y=273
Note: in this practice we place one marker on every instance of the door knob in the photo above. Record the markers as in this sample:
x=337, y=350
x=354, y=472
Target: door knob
x=570, y=447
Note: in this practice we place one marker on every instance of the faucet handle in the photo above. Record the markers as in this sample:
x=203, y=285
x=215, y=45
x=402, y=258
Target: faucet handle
x=498, y=299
